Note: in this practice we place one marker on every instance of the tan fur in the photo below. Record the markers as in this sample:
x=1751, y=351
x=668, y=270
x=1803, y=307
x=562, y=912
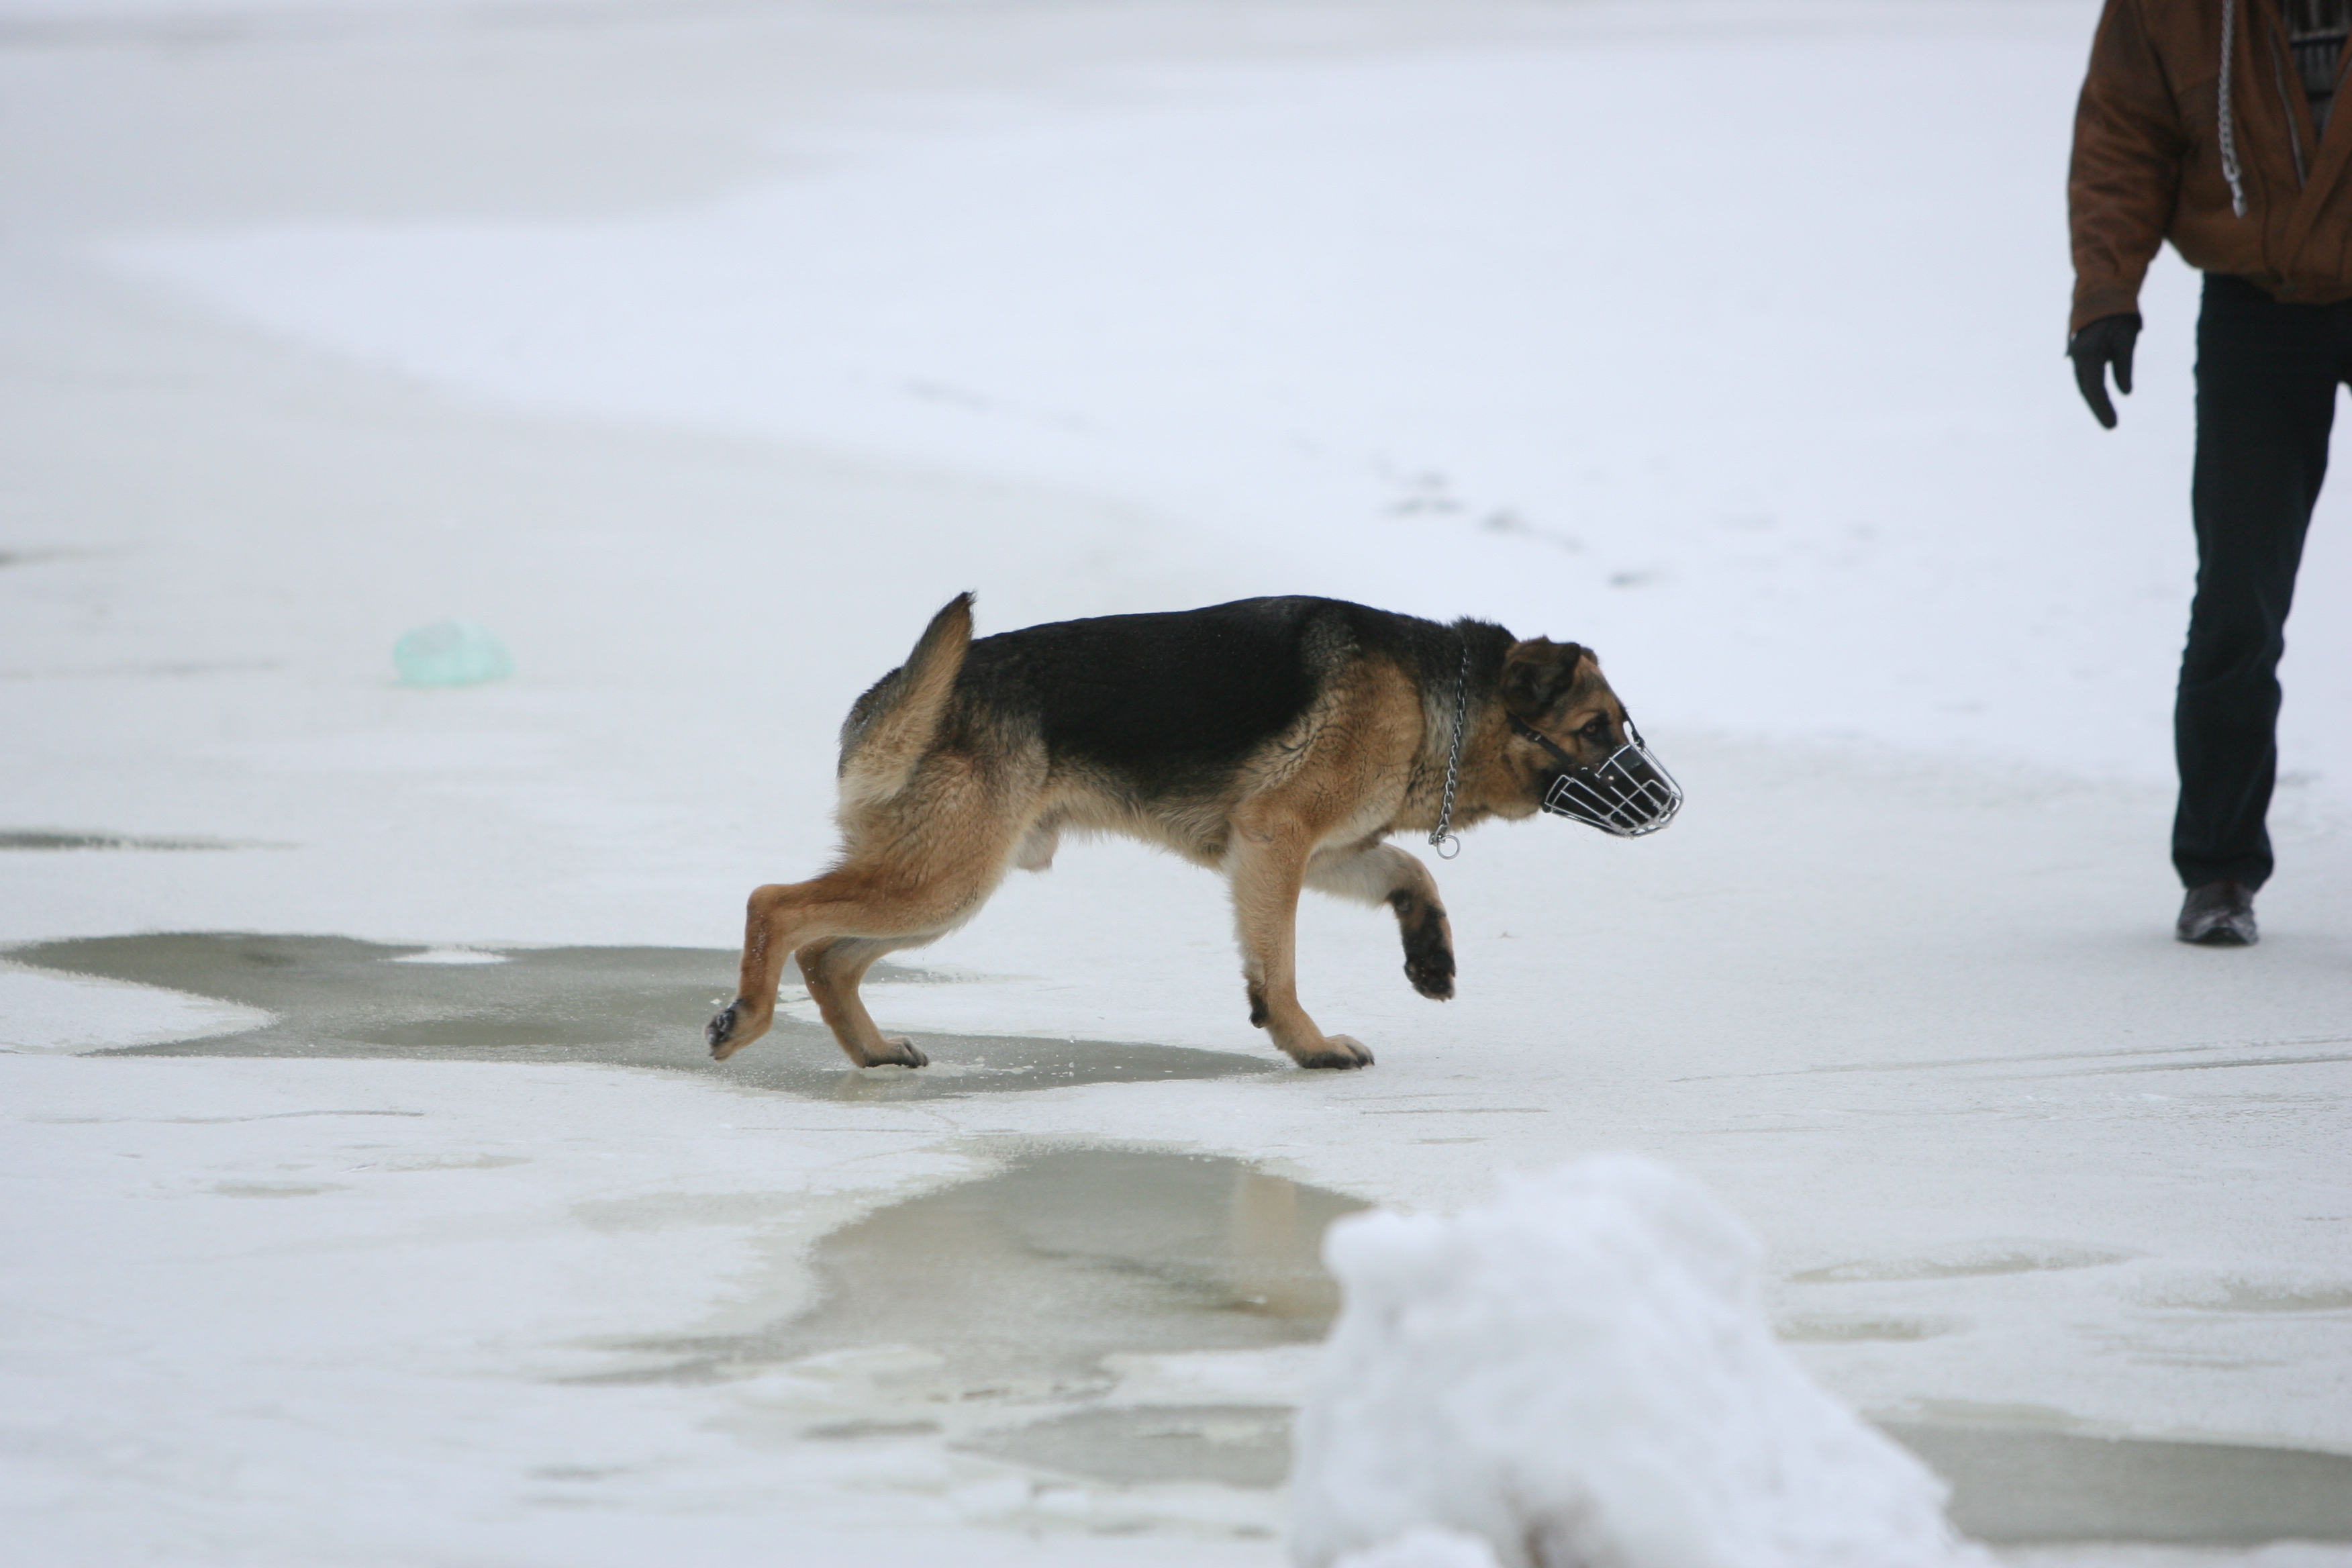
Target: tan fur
x=928, y=831
x=881, y=747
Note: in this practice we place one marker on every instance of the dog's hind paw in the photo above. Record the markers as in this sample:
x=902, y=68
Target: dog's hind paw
x=720, y=1033
x=897, y=1050
x=1338, y=1051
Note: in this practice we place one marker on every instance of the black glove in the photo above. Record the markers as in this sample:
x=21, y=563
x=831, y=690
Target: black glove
x=2105, y=341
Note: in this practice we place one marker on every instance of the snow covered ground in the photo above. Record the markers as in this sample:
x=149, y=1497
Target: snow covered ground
x=701, y=352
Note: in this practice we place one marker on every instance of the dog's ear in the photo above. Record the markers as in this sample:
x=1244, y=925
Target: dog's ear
x=1538, y=673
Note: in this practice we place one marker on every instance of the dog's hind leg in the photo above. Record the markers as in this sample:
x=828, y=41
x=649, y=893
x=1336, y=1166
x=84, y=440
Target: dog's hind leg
x=833, y=968
x=1266, y=862
x=1376, y=873
x=919, y=898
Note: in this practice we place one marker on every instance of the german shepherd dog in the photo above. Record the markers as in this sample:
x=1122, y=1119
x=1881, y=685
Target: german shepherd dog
x=1277, y=741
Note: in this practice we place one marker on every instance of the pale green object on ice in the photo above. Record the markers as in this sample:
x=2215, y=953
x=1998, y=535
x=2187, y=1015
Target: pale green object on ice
x=451, y=653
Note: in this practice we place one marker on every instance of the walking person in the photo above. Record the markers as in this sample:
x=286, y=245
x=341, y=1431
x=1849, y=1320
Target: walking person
x=2208, y=123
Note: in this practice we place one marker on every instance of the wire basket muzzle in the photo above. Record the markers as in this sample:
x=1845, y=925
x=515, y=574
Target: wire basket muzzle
x=1628, y=793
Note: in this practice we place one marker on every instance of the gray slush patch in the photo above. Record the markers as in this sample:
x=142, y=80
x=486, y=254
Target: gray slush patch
x=622, y=1006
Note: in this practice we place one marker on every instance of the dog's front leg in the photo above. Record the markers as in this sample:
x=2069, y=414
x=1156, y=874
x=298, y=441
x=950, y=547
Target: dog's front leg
x=1267, y=864
x=1376, y=873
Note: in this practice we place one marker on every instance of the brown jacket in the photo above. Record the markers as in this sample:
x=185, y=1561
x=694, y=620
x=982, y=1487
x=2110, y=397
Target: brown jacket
x=2147, y=162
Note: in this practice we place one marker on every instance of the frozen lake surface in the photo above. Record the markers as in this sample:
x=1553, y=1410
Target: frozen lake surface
x=1009, y=1307
x=372, y=1199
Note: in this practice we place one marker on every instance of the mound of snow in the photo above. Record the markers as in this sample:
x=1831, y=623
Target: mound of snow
x=1425, y=1548
x=1579, y=1374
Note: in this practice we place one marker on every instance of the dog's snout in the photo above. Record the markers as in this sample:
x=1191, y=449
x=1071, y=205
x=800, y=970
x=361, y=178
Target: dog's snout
x=1627, y=794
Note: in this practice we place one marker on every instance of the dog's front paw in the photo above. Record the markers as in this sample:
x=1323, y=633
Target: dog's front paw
x=1338, y=1051
x=1428, y=950
x=1431, y=970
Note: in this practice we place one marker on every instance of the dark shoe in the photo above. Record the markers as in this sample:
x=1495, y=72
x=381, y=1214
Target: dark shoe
x=2219, y=914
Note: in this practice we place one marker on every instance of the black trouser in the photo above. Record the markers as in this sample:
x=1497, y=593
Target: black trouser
x=2266, y=376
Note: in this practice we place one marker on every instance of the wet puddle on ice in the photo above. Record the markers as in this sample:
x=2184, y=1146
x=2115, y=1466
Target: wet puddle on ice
x=42, y=839
x=633, y=1006
x=1025, y=1281
x=996, y=1315
x=2013, y=1486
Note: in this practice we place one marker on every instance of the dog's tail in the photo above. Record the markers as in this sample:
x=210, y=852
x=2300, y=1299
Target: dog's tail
x=889, y=729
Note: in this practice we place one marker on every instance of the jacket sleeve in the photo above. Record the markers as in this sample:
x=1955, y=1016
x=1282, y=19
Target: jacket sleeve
x=2129, y=147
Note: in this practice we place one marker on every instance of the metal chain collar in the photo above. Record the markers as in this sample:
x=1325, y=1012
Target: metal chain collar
x=1441, y=839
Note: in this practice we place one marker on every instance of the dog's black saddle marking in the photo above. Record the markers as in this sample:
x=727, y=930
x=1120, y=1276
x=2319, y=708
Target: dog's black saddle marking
x=1173, y=702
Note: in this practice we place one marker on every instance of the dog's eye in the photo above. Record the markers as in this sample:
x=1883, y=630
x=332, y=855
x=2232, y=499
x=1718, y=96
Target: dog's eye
x=1598, y=729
